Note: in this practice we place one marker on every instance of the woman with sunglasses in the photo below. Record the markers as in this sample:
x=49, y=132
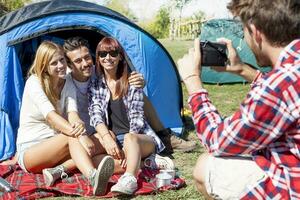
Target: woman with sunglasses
x=48, y=120
x=116, y=112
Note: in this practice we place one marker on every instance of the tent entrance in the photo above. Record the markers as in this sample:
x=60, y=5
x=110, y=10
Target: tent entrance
x=27, y=46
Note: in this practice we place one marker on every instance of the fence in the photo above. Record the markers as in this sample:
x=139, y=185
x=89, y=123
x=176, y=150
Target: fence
x=187, y=30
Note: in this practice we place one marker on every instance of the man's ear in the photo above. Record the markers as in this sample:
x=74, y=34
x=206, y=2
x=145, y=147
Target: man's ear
x=257, y=35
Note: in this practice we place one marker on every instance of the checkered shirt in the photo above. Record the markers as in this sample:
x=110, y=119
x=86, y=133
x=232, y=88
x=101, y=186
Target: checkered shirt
x=99, y=95
x=266, y=126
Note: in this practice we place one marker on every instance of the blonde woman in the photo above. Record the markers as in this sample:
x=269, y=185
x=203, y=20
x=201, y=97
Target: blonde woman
x=44, y=132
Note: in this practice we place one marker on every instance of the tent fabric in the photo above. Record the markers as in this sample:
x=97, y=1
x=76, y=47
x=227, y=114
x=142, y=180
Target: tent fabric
x=233, y=30
x=45, y=8
x=145, y=54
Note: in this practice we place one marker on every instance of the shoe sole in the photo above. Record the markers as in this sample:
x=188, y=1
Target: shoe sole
x=104, y=172
x=46, y=174
x=121, y=192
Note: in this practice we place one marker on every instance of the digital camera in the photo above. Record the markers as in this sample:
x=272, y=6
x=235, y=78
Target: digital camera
x=213, y=54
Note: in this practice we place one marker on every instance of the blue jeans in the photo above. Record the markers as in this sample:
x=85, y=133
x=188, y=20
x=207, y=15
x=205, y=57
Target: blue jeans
x=120, y=139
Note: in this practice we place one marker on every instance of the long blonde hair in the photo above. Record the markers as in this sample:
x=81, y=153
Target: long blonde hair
x=40, y=65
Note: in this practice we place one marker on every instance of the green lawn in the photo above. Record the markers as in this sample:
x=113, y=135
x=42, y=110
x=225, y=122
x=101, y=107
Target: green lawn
x=225, y=97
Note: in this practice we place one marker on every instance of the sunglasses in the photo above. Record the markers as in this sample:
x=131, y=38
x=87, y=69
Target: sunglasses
x=113, y=53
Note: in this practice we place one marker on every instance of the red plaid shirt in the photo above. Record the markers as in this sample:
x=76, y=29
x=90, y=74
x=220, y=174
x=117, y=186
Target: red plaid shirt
x=267, y=126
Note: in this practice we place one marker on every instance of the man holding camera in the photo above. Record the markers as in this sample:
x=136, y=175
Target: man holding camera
x=255, y=153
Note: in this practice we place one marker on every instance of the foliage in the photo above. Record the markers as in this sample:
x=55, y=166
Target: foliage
x=179, y=4
x=159, y=27
x=10, y=5
x=199, y=15
x=121, y=7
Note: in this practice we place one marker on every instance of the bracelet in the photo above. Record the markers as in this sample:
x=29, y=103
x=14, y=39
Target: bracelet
x=189, y=76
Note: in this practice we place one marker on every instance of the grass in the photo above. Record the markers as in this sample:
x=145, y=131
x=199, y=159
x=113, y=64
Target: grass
x=225, y=97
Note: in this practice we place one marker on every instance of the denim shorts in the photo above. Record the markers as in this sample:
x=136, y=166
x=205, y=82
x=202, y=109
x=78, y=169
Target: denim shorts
x=120, y=139
x=21, y=148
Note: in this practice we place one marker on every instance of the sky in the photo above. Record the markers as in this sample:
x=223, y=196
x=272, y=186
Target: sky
x=146, y=9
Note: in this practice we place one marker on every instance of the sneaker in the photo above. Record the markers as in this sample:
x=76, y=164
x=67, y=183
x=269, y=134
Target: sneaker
x=103, y=173
x=155, y=161
x=52, y=174
x=127, y=184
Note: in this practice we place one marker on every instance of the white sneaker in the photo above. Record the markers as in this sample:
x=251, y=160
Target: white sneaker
x=51, y=175
x=127, y=184
x=104, y=172
x=155, y=161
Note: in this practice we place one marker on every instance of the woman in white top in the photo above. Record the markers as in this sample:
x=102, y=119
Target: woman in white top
x=44, y=131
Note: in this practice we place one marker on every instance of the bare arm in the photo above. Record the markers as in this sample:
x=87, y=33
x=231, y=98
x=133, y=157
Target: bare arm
x=60, y=124
x=189, y=68
x=109, y=143
x=75, y=120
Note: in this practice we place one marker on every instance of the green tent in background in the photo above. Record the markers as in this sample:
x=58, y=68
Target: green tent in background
x=233, y=30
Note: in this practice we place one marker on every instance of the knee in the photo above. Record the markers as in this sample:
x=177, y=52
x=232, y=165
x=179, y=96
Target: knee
x=199, y=170
x=130, y=138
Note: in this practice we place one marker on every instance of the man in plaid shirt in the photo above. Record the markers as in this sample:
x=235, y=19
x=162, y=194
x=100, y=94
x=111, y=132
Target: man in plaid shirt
x=255, y=153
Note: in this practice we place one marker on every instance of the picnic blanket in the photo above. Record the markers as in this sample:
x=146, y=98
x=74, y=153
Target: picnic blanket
x=31, y=186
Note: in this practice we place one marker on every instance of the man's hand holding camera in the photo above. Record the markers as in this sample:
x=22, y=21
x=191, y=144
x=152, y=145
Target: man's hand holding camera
x=189, y=67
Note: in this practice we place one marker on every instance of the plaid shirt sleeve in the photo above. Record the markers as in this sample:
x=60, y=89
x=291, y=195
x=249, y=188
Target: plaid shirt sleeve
x=266, y=125
x=136, y=110
x=96, y=98
x=261, y=118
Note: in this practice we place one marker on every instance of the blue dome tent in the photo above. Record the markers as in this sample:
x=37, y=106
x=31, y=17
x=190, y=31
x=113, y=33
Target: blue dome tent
x=23, y=30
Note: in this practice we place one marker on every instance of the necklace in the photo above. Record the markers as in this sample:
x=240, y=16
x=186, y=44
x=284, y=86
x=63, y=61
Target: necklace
x=77, y=87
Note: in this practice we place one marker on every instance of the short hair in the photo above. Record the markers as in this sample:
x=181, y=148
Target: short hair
x=73, y=43
x=278, y=20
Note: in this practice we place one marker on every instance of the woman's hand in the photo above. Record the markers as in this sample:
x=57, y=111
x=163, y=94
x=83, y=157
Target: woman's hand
x=78, y=129
x=136, y=79
x=87, y=144
x=123, y=163
x=111, y=146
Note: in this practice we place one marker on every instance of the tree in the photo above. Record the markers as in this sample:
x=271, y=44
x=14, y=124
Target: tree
x=176, y=5
x=179, y=4
x=10, y=5
x=121, y=7
x=159, y=27
x=3, y=9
